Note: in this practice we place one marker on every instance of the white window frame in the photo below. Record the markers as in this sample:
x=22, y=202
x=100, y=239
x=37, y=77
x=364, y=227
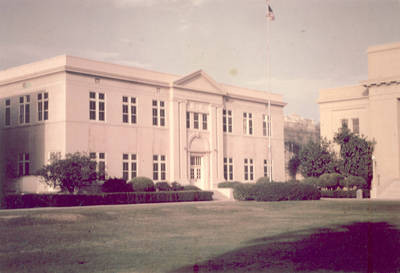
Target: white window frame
x=43, y=106
x=129, y=166
x=129, y=110
x=228, y=168
x=248, y=169
x=23, y=164
x=267, y=125
x=196, y=121
x=227, y=120
x=159, y=168
x=158, y=113
x=24, y=109
x=248, y=123
x=98, y=100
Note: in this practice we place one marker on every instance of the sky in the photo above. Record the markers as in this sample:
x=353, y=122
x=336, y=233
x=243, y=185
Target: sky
x=311, y=44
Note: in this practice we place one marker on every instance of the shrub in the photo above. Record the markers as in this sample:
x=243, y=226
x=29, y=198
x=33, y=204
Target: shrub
x=330, y=180
x=191, y=188
x=115, y=185
x=263, y=179
x=163, y=186
x=344, y=194
x=227, y=184
x=311, y=181
x=142, y=184
x=243, y=192
x=175, y=186
x=354, y=181
x=286, y=191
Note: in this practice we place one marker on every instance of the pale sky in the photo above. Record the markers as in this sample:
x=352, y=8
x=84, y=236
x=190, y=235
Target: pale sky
x=313, y=44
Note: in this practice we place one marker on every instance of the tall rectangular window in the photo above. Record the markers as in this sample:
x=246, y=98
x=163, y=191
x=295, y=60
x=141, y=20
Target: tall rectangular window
x=195, y=120
x=204, y=121
x=97, y=106
x=247, y=123
x=267, y=169
x=345, y=123
x=356, y=125
x=228, y=168
x=227, y=120
x=188, y=120
x=129, y=110
x=158, y=113
x=248, y=169
x=43, y=106
x=23, y=164
x=100, y=159
x=129, y=166
x=8, y=112
x=266, y=125
x=24, y=109
x=159, y=168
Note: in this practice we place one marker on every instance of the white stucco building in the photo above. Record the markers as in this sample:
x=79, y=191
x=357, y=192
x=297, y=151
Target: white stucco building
x=372, y=109
x=136, y=122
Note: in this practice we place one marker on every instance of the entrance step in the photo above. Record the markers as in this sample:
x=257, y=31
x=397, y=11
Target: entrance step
x=223, y=195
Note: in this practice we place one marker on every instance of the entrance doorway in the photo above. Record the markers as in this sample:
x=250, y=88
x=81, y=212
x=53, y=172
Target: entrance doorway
x=196, y=170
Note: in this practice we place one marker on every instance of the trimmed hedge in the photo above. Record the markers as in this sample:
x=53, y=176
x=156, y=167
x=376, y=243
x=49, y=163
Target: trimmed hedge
x=330, y=180
x=227, y=184
x=191, y=188
x=162, y=186
x=175, y=186
x=354, y=181
x=344, y=194
x=142, y=184
x=276, y=191
x=66, y=200
x=115, y=185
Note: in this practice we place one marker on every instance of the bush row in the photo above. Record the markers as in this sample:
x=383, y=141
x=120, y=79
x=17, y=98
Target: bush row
x=333, y=181
x=276, y=191
x=344, y=194
x=143, y=184
x=66, y=200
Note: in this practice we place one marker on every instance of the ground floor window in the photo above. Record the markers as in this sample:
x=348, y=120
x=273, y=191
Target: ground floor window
x=129, y=166
x=228, y=168
x=159, y=168
x=23, y=164
x=248, y=169
x=100, y=159
x=267, y=169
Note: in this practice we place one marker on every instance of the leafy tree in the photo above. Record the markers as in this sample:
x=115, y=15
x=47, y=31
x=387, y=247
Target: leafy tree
x=316, y=158
x=293, y=166
x=71, y=173
x=355, y=154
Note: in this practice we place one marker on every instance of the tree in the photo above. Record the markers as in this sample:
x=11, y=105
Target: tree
x=293, y=166
x=71, y=173
x=355, y=154
x=316, y=158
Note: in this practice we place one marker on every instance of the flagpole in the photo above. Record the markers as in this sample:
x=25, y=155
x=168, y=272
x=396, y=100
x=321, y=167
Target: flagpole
x=270, y=16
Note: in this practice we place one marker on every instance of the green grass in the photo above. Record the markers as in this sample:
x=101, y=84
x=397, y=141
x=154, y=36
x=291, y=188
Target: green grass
x=304, y=236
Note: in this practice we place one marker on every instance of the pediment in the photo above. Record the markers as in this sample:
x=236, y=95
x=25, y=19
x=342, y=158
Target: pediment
x=199, y=80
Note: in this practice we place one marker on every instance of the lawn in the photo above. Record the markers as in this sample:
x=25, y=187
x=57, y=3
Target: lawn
x=297, y=236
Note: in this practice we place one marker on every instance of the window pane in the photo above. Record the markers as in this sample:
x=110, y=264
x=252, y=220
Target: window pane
x=92, y=95
x=101, y=96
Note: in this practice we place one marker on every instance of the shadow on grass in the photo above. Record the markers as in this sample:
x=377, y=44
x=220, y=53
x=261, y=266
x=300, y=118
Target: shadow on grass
x=360, y=247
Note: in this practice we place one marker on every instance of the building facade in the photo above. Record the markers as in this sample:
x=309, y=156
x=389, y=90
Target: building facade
x=372, y=109
x=136, y=122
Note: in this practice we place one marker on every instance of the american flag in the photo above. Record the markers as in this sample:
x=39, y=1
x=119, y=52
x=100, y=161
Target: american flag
x=270, y=13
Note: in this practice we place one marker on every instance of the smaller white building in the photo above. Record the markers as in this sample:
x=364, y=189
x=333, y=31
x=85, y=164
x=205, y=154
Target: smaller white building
x=135, y=122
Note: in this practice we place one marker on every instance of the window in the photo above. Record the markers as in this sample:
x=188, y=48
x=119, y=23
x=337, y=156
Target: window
x=267, y=169
x=247, y=123
x=228, y=168
x=195, y=167
x=248, y=169
x=345, y=123
x=266, y=125
x=227, y=120
x=24, y=109
x=158, y=113
x=97, y=109
x=194, y=120
x=23, y=164
x=100, y=159
x=159, y=168
x=356, y=125
x=8, y=113
x=43, y=106
x=129, y=166
x=129, y=110
x=204, y=121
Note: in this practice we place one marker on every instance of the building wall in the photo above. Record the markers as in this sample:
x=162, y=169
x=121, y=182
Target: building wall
x=70, y=129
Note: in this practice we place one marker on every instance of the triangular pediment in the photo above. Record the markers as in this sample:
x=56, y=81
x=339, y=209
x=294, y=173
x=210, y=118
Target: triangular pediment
x=199, y=80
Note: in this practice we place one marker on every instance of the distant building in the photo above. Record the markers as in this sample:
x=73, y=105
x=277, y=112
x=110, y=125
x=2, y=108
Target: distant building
x=135, y=122
x=298, y=131
x=371, y=108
